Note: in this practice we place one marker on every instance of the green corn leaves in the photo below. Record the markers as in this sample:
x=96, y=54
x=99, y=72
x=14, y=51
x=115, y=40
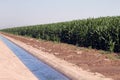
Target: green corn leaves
x=100, y=33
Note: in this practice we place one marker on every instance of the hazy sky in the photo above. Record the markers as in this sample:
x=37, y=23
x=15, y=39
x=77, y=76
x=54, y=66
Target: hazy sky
x=31, y=12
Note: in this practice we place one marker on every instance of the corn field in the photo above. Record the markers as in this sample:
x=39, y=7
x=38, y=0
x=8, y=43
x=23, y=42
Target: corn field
x=99, y=33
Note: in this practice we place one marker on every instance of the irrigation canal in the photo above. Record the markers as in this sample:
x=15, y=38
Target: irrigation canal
x=41, y=70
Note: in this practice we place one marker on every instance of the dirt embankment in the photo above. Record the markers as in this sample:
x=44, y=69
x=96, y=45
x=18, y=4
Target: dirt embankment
x=90, y=60
x=11, y=68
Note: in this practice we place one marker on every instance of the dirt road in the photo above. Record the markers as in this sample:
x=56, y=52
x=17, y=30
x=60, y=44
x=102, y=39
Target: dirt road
x=69, y=69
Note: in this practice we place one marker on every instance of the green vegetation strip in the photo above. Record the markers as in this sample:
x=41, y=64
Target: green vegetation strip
x=100, y=33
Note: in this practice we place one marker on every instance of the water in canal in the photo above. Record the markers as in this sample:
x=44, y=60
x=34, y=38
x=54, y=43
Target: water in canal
x=41, y=70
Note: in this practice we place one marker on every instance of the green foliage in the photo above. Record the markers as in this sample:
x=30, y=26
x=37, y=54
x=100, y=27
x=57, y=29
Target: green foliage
x=100, y=33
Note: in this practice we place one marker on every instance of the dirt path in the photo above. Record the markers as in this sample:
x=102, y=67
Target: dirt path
x=88, y=59
x=69, y=69
x=11, y=68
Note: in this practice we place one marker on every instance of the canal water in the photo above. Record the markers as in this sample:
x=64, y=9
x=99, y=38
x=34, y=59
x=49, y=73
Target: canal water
x=41, y=70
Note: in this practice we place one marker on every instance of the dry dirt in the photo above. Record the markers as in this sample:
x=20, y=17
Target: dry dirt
x=11, y=68
x=90, y=60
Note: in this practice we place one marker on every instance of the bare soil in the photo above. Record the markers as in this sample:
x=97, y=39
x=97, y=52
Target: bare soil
x=88, y=59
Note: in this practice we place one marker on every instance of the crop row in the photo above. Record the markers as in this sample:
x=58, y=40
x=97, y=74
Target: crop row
x=100, y=33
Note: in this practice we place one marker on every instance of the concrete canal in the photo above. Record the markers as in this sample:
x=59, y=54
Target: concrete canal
x=41, y=70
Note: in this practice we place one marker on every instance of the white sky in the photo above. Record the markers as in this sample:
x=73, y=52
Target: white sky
x=31, y=12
